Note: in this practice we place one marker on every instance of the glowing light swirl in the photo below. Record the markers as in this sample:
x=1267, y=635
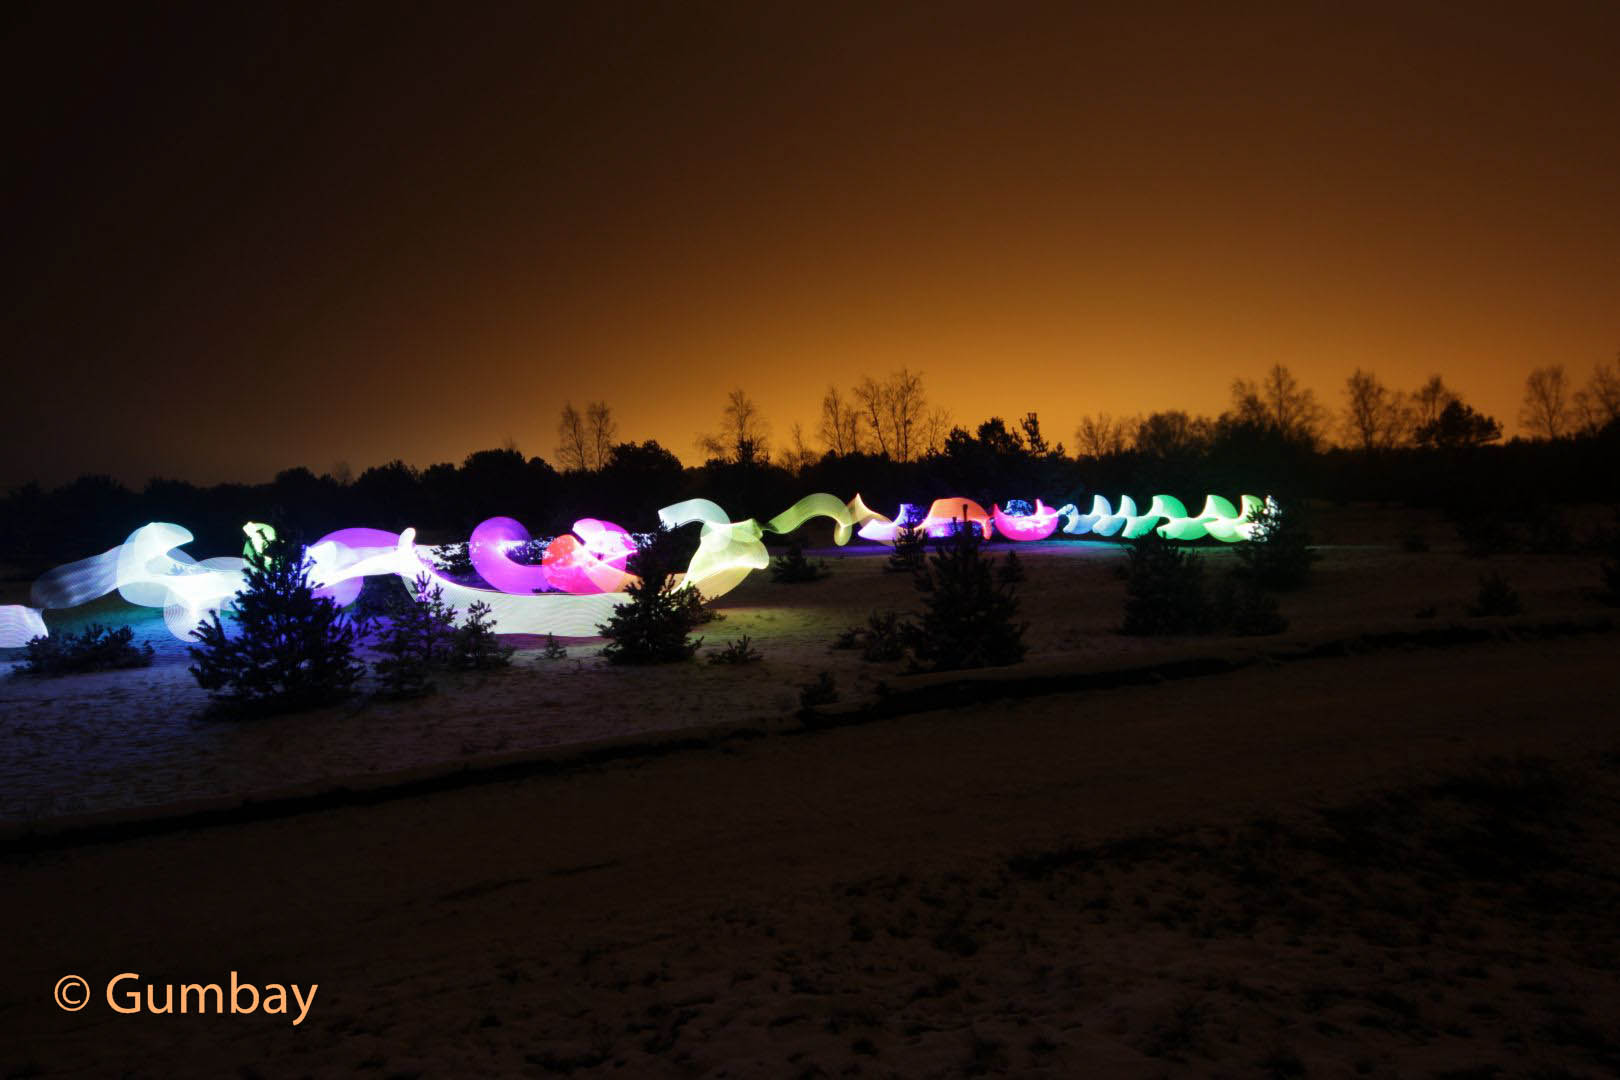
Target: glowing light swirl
x=845, y=516
x=20, y=624
x=147, y=569
x=564, y=614
x=727, y=550
x=588, y=568
x=1218, y=519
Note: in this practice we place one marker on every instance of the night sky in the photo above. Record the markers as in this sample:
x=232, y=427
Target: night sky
x=237, y=241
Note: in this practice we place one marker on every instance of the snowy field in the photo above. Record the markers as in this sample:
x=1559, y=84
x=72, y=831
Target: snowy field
x=136, y=739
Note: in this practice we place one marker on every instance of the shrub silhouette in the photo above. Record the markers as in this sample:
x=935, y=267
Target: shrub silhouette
x=794, y=568
x=1164, y=589
x=1247, y=610
x=698, y=611
x=554, y=650
x=1278, y=553
x=883, y=640
x=1484, y=534
x=740, y=651
x=823, y=690
x=1495, y=597
x=1549, y=532
x=1609, y=568
x=654, y=626
x=292, y=649
x=455, y=560
x=967, y=619
x=95, y=648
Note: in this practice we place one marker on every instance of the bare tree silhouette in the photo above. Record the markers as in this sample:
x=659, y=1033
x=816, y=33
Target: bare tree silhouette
x=601, y=432
x=1598, y=403
x=1102, y=435
x=1546, y=402
x=744, y=437
x=1375, y=417
x=573, y=444
x=1278, y=402
x=841, y=423
x=896, y=411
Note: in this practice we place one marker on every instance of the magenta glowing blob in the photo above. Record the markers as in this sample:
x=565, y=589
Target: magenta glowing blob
x=489, y=549
x=1037, y=525
x=607, y=541
x=590, y=560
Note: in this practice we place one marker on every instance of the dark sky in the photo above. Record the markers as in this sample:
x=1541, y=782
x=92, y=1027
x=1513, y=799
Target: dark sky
x=239, y=239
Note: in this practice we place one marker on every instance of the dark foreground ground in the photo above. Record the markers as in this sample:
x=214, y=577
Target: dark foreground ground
x=1401, y=864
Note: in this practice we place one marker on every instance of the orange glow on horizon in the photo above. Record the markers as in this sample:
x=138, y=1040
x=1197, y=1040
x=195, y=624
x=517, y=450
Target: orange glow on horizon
x=1045, y=209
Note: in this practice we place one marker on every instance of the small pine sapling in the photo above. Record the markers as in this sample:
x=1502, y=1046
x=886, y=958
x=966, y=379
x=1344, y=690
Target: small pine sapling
x=1247, y=610
x=1164, y=589
x=475, y=645
x=1278, y=553
x=968, y=620
x=554, y=650
x=823, y=690
x=415, y=638
x=910, y=550
x=740, y=651
x=793, y=568
x=885, y=639
x=654, y=626
x=1495, y=597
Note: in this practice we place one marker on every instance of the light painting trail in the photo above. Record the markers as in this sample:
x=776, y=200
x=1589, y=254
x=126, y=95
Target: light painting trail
x=582, y=575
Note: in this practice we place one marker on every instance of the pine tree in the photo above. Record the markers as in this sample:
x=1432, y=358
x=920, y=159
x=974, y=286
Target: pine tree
x=1164, y=591
x=910, y=550
x=476, y=645
x=415, y=638
x=290, y=650
x=793, y=567
x=653, y=627
x=1278, y=553
x=967, y=621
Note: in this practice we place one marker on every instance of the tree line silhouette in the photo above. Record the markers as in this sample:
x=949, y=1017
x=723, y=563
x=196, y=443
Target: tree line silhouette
x=886, y=442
